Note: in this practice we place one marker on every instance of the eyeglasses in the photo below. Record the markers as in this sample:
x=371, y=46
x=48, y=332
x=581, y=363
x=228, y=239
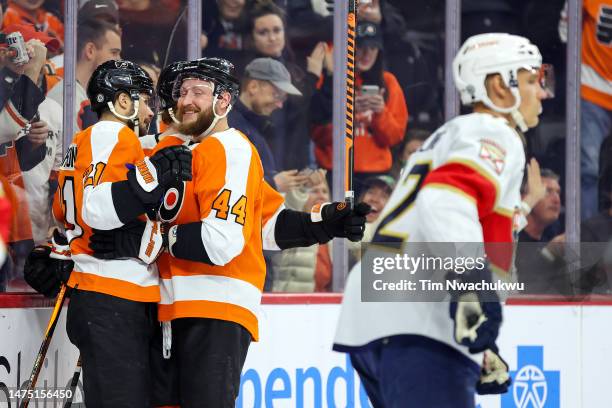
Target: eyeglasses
x=196, y=91
x=546, y=76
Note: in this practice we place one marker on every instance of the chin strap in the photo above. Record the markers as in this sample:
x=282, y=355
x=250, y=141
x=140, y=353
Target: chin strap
x=217, y=118
x=513, y=111
x=174, y=119
x=133, y=117
x=519, y=120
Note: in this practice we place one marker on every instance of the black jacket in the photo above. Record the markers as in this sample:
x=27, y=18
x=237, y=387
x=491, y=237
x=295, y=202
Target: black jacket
x=254, y=126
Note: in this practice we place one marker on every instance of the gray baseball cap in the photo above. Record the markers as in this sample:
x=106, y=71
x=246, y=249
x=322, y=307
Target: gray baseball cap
x=269, y=69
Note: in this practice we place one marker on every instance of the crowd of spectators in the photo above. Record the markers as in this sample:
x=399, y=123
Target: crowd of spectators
x=283, y=51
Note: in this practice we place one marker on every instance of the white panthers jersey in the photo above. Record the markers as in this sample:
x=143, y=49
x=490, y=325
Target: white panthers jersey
x=463, y=185
x=36, y=180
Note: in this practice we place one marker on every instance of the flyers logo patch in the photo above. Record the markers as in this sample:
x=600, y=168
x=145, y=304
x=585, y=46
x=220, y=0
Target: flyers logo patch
x=172, y=202
x=493, y=154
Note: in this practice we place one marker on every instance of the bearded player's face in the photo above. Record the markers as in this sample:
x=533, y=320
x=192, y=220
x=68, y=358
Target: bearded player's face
x=194, y=106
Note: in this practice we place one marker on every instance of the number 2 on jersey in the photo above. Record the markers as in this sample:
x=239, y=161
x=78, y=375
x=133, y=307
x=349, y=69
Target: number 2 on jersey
x=385, y=231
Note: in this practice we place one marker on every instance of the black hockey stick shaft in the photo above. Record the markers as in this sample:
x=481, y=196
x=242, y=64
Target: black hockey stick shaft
x=350, y=102
x=73, y=383
x=40, y=357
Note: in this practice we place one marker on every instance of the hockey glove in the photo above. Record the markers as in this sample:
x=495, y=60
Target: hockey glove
x=336, y=220
x=47, y=267
x=150, y=178
x=141, y=240
x=494, y=377
x=476, y=322
x=477, y=315
x=38, y=273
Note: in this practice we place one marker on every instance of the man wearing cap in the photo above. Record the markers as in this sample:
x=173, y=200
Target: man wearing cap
x=264, y=89
x=376, y=193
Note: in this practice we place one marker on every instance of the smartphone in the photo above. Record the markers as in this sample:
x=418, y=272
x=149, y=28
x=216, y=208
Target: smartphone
x=369, y=89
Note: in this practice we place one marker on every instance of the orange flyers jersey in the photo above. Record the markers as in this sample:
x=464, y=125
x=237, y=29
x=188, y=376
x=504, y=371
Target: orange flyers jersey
x=227, y=196
x=596, y=72
x=41, y=19
x=273, y=201
x=96, y=158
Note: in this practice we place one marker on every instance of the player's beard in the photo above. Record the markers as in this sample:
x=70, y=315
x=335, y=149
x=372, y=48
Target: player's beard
x=143, y=126
x=197, y=127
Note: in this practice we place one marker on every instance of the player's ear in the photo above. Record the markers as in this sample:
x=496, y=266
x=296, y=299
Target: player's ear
x=89, y=50
x=123, y=101
x=497, y=89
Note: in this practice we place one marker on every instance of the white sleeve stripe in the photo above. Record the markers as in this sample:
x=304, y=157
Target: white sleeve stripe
x=268, y=236
x=98, y=209
x=223, y=238
x=104, y=138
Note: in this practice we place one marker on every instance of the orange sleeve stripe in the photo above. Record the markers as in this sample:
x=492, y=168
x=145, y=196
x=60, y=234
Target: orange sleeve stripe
x=468, y=180
x=272, y=200
x=114, y=287
x=15, y=115
x=210, y=310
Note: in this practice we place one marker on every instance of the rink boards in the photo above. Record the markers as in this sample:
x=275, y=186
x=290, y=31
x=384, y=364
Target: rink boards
x=559, y=355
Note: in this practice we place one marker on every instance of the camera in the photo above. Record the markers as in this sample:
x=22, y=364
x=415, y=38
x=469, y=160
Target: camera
x=16, y=48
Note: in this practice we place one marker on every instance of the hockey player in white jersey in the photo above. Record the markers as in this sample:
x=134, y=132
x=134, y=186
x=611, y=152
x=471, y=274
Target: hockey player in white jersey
x=462, y=186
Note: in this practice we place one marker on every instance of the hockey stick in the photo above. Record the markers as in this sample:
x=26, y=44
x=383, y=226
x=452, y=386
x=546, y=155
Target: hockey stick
x=349, y=196
x=73, y=383
x=40, y=357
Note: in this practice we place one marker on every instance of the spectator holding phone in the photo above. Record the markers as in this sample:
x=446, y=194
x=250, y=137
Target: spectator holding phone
x=381, y=114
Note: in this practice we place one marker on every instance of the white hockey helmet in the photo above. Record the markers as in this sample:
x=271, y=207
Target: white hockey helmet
x=494, y=53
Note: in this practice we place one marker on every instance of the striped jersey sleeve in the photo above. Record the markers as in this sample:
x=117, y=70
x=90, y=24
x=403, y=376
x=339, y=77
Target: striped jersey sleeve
x=112, y=147
x=229, y=175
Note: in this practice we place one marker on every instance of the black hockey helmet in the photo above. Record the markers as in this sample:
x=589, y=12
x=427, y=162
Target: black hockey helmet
x=217, y=70
x=115, y=76
x=165, y=84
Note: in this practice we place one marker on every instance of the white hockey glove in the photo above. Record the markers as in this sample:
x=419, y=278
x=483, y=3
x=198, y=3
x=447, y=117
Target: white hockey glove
x=494, y=377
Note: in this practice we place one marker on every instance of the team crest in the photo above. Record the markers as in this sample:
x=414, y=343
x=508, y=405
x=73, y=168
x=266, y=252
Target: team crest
x=493, y=154
x=172, y=203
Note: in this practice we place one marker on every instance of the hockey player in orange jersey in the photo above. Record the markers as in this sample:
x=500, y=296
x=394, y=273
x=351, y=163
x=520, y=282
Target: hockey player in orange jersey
x=213, y=272
x=106, y=182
